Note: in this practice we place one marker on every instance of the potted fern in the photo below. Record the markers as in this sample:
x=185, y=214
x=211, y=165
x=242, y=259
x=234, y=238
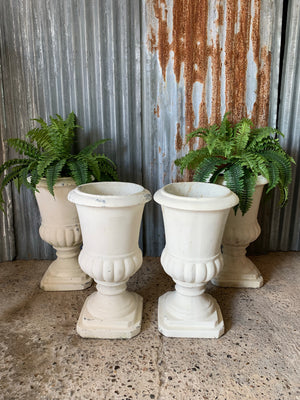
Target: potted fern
x=245, y=159
x=48, y=166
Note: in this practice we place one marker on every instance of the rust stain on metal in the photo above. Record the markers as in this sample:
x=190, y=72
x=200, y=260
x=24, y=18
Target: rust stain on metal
x=191, y=50
x=193, y=54
x=220, y=11
x=217, y=68
x=261, y=111
x=178, y=140
x=216, y=83
x=156, y=111
x=236, y=57
x=189, y=45
x=262, y=58
x=152, y=40
x=162, y=42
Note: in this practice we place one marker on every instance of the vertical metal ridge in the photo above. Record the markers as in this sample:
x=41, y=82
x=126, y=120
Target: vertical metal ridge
x=63, y=56
x=286, y=227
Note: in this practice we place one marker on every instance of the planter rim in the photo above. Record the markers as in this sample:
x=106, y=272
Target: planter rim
x=109, y=194
x=64, y=181
x=196, y=196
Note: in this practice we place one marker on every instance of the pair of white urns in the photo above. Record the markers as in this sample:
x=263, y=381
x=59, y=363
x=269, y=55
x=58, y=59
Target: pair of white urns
x=110, y=216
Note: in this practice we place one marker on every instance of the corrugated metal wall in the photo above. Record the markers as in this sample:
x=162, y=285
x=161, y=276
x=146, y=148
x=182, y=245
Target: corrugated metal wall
x=144, y=73
x=281, y=228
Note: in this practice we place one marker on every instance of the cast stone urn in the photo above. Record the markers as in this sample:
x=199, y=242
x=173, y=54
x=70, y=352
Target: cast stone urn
x=194, y=217
x=110, y=215
x=240, y=231
x=60, y=228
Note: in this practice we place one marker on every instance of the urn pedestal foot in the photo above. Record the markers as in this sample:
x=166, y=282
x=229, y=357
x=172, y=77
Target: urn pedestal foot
x=193, y=317
x=111, y=316
x=64, y=273
x=238, y=271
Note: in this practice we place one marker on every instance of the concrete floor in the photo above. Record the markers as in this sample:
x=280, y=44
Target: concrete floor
x=42, y=357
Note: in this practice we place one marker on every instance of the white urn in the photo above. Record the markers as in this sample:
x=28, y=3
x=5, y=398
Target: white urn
x=194, y=217
x=60, y=228
x=240, y=231
x=110, y=215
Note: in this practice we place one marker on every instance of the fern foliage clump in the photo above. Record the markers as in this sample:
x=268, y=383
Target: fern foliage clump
x=47, y=153
x=239, y=153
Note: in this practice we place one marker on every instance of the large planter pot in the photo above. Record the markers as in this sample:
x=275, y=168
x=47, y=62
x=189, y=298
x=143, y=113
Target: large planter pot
x=194, y=217
x=240, y=231
x=60, y=228
x=110, y=215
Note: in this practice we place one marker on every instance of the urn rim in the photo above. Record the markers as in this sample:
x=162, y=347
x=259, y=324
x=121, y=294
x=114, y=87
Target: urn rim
x=61, y=182
x=109, y=194
x=198, y=196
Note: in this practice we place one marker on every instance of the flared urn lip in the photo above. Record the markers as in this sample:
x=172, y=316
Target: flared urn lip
x=198, y=196
x=109, y=194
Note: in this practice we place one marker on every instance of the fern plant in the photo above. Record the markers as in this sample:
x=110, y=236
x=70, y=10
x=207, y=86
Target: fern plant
x=47, y=153
x=239, y=153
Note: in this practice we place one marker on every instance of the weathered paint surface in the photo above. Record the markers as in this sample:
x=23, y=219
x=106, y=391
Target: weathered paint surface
x=217, y=44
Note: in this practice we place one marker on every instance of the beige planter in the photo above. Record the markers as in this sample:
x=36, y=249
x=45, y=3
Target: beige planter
x=110, y=215
x=194, y=216
x=60, y=228
x=240, y=231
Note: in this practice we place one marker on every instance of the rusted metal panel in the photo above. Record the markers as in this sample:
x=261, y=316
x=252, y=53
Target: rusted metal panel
x=220, y=44
x=202, y=59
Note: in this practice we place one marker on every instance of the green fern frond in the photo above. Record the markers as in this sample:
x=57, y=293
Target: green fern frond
x=200, y=133
x=79, y=171
x=53, y=173
x=192, y=159
x=283, y=195
x=45, y=161
x=207, y=168
x=93, y=166
x=92, y=147
x=42, y=138
x=242, y=134
x=255, y=162
x=48, y=154
x=274, y=177
x=233, y=176
x=107, y=169
x=226, y=129
x=12, y=175
x=246, y=152
x=34, y=176
x=23, y=147
x=10, y=163
x=246, y=198
x=282, y=163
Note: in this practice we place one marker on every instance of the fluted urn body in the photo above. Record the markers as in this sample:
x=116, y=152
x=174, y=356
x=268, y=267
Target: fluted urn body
x=110, y=215
x=240, y=231
x=61, y=229
x=194, y=217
